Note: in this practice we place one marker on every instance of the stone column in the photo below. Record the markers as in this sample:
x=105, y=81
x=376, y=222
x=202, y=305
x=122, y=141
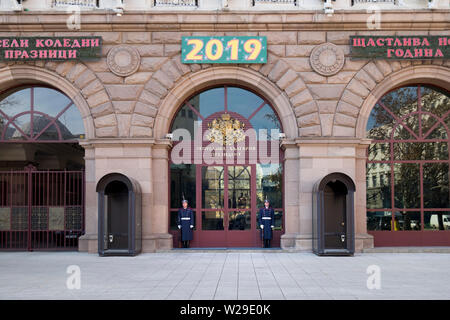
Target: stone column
x=88, y=242
x=156, y=223
x=362, y=238
x=291, y=194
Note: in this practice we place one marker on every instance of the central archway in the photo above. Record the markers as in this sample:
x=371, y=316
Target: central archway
x=239, y=129
x=226, y=75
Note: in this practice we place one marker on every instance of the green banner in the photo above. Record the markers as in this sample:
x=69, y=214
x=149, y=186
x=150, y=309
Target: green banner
x=400, y=47
x=224, y=50
x=50, y=48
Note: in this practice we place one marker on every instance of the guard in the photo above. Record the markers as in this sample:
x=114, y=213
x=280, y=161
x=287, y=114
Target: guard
x=186, y=223
x=266, y=219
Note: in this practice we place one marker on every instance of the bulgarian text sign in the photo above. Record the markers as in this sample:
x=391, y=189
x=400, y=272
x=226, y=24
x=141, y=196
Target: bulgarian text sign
x=50, y=48
x=224, y=50
x=400, y=47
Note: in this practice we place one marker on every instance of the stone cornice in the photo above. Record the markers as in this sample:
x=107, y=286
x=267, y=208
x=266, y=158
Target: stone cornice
x=333, y=141
x=108, y=142
x=225, y=21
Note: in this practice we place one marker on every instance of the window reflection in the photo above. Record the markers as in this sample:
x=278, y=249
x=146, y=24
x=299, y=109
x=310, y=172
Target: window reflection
x=209, y=101
x=420, y=168
x=401, y=101
x=39, y=113
x=435, y=100
x=269, y=184
x=406, y=221
x=379, y=152
x=421, y=151
x=186, y=120
x=212, y=187
x=239, y=220
x=212, y=220
x=243, y=101
x=380, y=124
x=378, y=189
x=239, y=194
x=436, y=185
x=406, y=185
x=436, y=221
x=182, y=182
x=379, y=220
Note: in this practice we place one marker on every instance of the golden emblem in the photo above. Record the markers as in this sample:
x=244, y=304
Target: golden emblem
x=226, y=130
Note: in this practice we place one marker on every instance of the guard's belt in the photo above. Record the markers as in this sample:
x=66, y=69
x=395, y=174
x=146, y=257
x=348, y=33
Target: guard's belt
x=266, y=218
x=185, y=218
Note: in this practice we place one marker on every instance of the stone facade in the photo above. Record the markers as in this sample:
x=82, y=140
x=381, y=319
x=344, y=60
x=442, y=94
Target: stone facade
x=324, y=117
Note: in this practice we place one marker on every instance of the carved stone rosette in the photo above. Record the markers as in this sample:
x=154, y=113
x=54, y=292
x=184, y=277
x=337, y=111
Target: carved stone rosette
x=123, y=60
x=327, y=59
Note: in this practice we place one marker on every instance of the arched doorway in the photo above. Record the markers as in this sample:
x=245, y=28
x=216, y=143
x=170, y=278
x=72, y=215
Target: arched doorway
x=333, y=215
x=408, y=197
x=41, y=170
x=234, y=162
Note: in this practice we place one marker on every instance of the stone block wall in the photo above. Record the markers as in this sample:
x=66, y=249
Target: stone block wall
x=126, y=117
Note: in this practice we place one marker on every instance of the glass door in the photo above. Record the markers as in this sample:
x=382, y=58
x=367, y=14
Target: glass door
x=212, y=214
x=240, y=203
x=227, y=206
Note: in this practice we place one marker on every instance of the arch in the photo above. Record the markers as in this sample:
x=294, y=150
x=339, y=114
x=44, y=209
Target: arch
x=370, y=84
x=246, y=78
x=335, y=176
x=131, y=184
x=76, y=81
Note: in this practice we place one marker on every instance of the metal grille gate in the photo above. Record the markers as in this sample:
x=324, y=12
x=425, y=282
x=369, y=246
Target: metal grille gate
x=41, y=210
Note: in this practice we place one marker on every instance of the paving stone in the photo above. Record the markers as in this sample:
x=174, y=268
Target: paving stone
x=175, y=275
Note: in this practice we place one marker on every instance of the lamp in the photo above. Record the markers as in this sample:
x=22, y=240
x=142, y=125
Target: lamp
x=118, y=8
x=16, y=5
x=328, y=8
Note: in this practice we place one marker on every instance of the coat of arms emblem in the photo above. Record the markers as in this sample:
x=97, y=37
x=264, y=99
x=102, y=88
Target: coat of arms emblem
x=226, y=130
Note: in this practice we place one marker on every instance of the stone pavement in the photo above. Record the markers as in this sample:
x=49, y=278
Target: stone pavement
x=224, y=275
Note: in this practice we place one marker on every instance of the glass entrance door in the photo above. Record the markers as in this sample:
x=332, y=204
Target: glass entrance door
x=226, y=216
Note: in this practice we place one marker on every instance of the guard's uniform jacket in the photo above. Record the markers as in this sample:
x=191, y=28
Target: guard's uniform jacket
x=185, y=220
x=266, y=218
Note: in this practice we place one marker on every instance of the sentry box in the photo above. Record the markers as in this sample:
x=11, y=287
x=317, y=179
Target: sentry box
x=333, y=215
x=119, y=216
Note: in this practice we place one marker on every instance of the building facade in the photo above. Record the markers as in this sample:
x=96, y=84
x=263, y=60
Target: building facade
x=384, y=123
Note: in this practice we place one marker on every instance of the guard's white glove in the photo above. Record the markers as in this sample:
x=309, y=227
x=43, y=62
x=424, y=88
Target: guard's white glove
x=179, y=226
x=271, y=227
x=262, y=226
x=192, y=227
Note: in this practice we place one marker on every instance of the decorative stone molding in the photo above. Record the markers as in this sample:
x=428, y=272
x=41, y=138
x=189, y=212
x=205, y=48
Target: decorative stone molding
x=123, y=60
x=437, y=74
x=182, y=87
x=372, y=81
x=327, y=59
x=284, y=86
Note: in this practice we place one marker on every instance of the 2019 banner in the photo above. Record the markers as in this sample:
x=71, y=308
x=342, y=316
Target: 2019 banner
x=224, y=49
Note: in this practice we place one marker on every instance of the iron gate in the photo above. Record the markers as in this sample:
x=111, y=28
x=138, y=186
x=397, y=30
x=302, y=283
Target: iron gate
x=41, y=210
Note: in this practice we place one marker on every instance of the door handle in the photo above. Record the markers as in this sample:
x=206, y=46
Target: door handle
x=111, y=238
x=343, y=237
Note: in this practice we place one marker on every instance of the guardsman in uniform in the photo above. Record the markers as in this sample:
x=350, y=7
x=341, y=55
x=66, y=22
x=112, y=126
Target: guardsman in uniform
x=186, y=223
x=266, y=219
